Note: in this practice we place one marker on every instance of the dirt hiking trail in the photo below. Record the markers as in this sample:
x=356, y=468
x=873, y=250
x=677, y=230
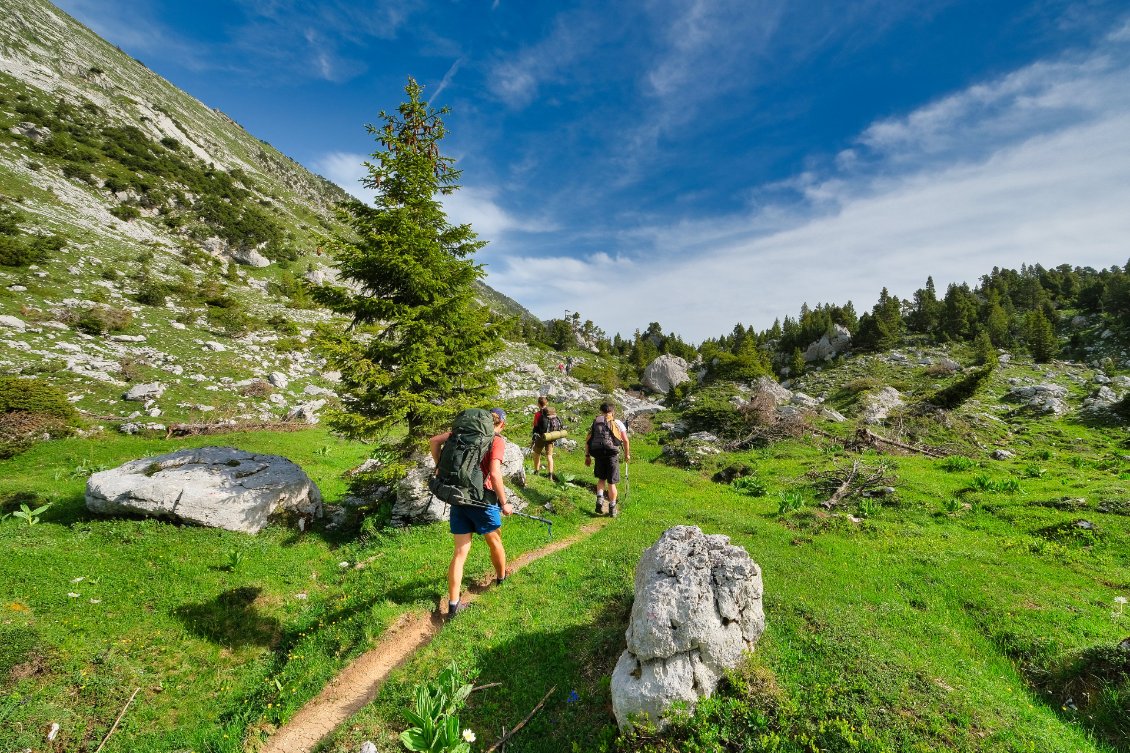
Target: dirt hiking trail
x=358, y=683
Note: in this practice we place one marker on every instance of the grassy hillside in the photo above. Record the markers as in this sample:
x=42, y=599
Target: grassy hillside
x=969, y=610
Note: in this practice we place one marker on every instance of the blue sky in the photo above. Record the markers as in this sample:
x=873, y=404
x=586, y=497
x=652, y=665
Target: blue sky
x=700, y=163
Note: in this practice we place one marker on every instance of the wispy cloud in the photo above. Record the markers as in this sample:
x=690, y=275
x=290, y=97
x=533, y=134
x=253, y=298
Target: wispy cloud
x=269, y=38
x=517, y=78
x=1033, y=167
x=447, y=78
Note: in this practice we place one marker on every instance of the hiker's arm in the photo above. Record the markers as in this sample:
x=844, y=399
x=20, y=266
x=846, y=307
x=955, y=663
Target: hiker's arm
x=436, y=443
x=588, y=457
x=499, y=486
x=627, y=449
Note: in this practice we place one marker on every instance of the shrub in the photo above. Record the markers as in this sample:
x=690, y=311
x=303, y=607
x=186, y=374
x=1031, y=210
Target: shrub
x=862, y=384
x=232, y=321
x=126, y=212
x=99, y=320
x=956, y=463
x=30, y=409
x=964, y=388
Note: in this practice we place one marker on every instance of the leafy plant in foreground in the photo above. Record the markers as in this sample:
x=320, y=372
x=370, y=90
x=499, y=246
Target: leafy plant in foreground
x=789, y=502
x=435, y=726
x=28, y=515
x=751, y=485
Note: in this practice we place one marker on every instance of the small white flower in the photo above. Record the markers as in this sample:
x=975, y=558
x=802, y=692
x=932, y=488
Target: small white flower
x=300, y=596
x=1119, y=599
x=79, y=579
x=73, y=595
x=95, y=601
x=343, y=563
x=468, y=735
x=54, y=732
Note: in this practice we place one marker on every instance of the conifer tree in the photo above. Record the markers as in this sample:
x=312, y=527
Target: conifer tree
x=416, y=350
x=1041, y=337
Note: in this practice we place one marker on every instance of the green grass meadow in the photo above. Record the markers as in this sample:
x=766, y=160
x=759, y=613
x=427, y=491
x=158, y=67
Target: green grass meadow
x=965, y=612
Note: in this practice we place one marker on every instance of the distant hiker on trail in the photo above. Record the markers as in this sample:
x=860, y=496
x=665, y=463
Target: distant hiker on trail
x=483, y=518
x=545, y=422
x=605, y=438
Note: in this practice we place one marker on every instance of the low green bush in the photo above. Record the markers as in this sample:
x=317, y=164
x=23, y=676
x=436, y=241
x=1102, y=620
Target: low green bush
x=29, y=410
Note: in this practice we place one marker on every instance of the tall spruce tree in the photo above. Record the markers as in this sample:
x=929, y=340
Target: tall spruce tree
x=416, y=350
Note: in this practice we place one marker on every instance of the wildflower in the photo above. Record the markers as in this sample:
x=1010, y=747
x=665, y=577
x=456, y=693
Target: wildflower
x=468, y=735
x=79, y=579
x=573, y=697
x=73, y=595
x=343, y=563
x=300, y=596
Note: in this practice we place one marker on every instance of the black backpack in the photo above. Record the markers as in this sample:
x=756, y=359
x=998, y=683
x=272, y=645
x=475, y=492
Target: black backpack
x=548, y=421
x=602, y=440
x=460, y=477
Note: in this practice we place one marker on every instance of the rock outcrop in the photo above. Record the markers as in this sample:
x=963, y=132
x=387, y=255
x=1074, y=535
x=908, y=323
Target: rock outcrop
x=829, y=345
x=220, y=487
x=697, y=610
x=879, y=405
x=665, y=372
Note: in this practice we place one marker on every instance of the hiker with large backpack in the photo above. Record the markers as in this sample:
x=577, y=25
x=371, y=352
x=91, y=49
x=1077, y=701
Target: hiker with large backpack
x=469, y=477
x=605, y=438
x=546, y=422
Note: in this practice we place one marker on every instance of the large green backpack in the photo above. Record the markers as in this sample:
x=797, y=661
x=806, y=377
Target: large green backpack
x=460, y=477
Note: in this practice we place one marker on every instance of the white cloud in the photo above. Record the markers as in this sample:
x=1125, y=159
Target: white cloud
x=517, y=79
x=476, y=205
x=1031, y=168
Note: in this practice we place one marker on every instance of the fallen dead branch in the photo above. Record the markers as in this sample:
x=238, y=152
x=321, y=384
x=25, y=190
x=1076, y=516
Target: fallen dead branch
x=854, y=481
x=502, y=740
x=116, y=721
x=864, y=437
x=227, y=427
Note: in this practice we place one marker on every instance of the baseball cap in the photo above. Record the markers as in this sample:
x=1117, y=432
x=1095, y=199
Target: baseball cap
x=499, y=412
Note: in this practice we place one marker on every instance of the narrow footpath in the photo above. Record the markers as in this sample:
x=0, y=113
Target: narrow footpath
x=358, y=683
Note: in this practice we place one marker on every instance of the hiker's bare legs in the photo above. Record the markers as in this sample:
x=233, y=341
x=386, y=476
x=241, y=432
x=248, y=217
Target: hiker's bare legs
x=537, y=462
x=455, y=569
x=599, y=486
x=497, y=553
x=549, y=460
x=612, y=493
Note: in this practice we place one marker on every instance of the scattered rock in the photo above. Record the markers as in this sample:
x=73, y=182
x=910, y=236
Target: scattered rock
x=219, y=487
x=880, y=404
x=143, y=392
x=250, y=257
x=12, y=322
x=697, y=610
x=278, y=379
x=1002, y=455
x=307, y=411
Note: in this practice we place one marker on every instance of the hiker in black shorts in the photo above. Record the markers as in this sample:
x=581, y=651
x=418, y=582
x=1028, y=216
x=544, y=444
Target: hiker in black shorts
x=605, y=438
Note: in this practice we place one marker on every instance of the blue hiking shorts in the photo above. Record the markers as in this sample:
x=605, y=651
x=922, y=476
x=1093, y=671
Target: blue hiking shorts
x=475, y=519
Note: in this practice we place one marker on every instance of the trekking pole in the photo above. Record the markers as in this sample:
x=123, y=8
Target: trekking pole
x=549, y=523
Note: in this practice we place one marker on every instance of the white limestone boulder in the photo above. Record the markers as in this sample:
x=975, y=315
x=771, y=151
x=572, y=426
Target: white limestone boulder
x=665, y=372
x=219, y=487
x=697, y=611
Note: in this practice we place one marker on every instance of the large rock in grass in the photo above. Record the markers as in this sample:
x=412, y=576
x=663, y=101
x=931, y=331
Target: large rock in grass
x=877, y=406
x=220, y=487
x=664, y=373
x=697, y=610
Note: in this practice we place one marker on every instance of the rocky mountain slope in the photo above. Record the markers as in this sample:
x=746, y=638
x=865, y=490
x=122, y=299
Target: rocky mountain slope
x=152, y=251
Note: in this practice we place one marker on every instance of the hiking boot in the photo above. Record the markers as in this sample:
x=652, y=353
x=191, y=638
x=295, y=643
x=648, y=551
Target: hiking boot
x=454, y=611
x=600, y=507
x=614, y=510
